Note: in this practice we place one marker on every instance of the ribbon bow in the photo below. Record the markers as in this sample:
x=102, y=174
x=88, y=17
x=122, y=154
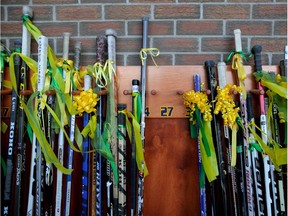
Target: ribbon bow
x=77, y=78
x=86, y=102
x=67, y=66
x=237, y=65
x=102, y=73
x=153, y=52
x=241, y=53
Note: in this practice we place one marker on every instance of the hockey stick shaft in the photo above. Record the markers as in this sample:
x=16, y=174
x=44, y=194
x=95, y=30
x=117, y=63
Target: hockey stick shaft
x=212, y=83
x=231, y=182
x=72, y=137
x=203, y=207
x=243, y=108
x=112, y=99
x=122, y=159
x=6, y=208
x=59, y=180
x=145, y=22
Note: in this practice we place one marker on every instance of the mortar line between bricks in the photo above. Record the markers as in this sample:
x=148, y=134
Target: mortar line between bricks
x=201, y=11
x=273, y=28
x=54, y=16
x=6, y=14
x=103, y=12
x=224, y=27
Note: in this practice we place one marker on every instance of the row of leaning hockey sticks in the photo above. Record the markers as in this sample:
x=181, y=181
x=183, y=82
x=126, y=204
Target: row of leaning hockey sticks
x=66, y=149
x=244, y=158
x=73, y=138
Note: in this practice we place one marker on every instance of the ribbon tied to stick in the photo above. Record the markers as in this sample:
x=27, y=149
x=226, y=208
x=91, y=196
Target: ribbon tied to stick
x=141, y=164
x=153, y=52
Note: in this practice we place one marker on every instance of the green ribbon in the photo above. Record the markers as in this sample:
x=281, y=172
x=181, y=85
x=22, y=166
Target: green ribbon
x=101, y=144
x=30, y=132
x=201, y=127
x=140, y=160
x=34, y=122
x=119, y=134
x=202, y=177
x=239, y=122
x=239, y=149
x=3, y=57
x=193, y=127
x=137, y=105
x=3, y=164
x=254, y=145
x=241, y=53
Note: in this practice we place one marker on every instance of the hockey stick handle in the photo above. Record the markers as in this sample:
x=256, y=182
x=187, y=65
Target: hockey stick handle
x=250, y=113
x=66, y=37
x=42, y=61
x=221, y=68
x=26, y=36
x=237, y=40
x=197, y=83
x=212, y=83
x=256, y=50
x=78, y=46
x=284, y=62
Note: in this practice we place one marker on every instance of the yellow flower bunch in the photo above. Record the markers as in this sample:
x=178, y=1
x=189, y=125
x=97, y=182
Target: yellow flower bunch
x=199, y=99
x=226, y=105
x=86, y=102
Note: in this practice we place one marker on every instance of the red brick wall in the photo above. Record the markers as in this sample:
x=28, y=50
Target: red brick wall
x=186, y=31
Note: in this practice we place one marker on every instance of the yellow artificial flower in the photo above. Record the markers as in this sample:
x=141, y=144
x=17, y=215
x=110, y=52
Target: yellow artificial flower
x=199, y=99
x=225, y=104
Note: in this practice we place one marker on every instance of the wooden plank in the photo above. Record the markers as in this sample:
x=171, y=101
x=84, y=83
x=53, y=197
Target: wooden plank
x=172, y=186
x=167, y=81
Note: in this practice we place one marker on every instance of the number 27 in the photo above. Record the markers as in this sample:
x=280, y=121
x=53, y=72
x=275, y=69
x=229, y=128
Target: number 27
x=166, y=111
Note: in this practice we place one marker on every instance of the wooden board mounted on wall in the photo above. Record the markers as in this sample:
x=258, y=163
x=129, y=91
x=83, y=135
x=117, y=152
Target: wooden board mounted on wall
x=172, y=186
x=166, y=83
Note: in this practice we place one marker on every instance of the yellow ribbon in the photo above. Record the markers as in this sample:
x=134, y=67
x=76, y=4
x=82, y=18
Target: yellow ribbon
x=36, y=33
x=77, y=77
x=209, y=162
x=90, y=128
x=109, y=69
x=234, y=145
x=277, y=155
x=278, y=89
x=7, y=84
x=153, y=52
x=102, y=73
x=4, y=127
x=237, y=64
x=34, y=122
x=30, y=63
x=99, y=74
x=139, y=150
x=67, y=66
